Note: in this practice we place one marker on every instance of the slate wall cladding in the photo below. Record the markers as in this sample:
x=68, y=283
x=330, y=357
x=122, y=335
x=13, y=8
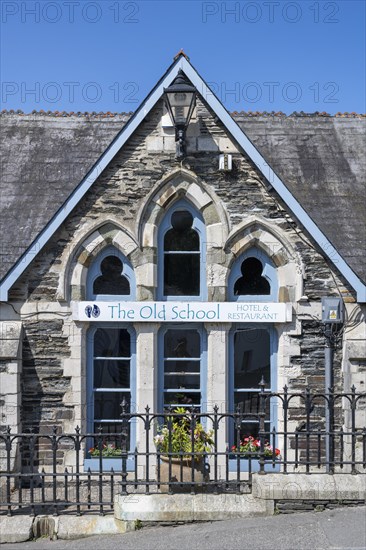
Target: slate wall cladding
x=296, y=506
x=311, y=359
x=43, y=382
x=119, y=192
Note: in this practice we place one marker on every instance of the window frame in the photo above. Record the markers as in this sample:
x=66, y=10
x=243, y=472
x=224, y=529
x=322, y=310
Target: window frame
x=95, y=271
x=90, y=419
x=269, y=273
x=199, y=226
x=203, y=362
x=273, y=423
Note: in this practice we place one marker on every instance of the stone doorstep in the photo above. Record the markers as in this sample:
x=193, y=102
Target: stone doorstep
x=187, y=507
x=21, y=528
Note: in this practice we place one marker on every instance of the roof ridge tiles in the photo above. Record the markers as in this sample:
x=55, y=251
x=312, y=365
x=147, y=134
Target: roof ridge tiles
x=85, y=114
x=249, y=114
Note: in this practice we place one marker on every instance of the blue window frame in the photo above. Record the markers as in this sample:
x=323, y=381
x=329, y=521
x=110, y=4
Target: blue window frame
x=111, y=275
x=182, y=366
x=111, y=377
x=252, y=355
x=253, y=277
x=182, y=254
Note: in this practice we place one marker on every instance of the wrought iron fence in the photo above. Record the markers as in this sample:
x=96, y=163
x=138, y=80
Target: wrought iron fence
x=183, y=451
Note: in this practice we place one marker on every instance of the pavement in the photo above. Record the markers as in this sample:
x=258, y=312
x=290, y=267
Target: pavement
x=338, y=529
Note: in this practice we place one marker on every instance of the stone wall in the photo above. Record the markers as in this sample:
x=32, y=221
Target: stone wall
x=294, y=506
x=44, y=383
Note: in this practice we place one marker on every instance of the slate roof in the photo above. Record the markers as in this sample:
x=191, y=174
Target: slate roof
x=320, y=158
x=322, y=161
x=43, y=158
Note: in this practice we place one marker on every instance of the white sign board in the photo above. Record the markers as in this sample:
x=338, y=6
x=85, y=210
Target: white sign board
x=183, y=312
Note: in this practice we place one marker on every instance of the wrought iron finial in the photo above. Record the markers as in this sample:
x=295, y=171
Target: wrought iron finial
x=262, y=384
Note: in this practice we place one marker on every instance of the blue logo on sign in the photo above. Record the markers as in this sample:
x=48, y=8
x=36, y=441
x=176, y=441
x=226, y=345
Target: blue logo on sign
x=92, y=311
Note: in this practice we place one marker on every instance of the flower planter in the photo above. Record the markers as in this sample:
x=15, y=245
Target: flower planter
x=181, y=472
x=269, y=465
x=107, y=464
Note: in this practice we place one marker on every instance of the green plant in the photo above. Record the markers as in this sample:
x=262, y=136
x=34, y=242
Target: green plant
x=175, y=437
x=109, y=450
x=250, y=446
x=138, y=524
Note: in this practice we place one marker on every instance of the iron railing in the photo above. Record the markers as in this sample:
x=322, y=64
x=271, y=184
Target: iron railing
x=59, y=472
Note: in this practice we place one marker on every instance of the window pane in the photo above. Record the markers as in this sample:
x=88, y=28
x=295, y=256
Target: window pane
x=184, y=382
x=182, y=274
x=112, y=343
x=107, y=405
x=182, y=343
x=115, y=440
x=251, y=358
x=111, y=374
x=252, y=281
x=182, y=236
x=182, y=374
x=185, y=241
x=109, y=427
x=181, y=367
x=249, y=403
x=250, y=428
x=111, y=281
x=185, y=399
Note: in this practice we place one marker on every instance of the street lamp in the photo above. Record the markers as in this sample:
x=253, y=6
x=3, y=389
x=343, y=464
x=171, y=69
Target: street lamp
x=180, y=99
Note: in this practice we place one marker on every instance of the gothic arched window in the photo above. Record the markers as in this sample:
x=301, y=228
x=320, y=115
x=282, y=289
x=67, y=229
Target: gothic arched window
x=253, y=277
x=181, y=254
x=110, y=275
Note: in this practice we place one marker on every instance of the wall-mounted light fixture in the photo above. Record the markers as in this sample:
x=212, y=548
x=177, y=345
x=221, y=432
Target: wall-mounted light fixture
x=180, y=99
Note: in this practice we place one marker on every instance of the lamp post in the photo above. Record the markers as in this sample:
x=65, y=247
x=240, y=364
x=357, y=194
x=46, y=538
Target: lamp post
x=332, y=318
x=180, y=99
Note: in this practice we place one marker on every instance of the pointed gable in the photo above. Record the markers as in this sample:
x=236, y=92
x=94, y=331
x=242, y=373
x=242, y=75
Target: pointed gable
x=57, y=206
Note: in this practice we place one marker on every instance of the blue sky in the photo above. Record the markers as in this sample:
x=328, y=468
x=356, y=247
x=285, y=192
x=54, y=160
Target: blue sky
x=78, y=55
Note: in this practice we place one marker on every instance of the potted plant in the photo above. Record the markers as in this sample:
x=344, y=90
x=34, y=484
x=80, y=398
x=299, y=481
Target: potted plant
x=249, y=448
x=180, y=452
x=111, y=457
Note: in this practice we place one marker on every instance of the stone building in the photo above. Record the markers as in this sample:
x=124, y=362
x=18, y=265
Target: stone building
x=127, y=272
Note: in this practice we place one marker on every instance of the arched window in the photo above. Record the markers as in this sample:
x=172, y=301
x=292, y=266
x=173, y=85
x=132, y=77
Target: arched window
x=110, y=275
x=253, y=278
x=182, y=254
